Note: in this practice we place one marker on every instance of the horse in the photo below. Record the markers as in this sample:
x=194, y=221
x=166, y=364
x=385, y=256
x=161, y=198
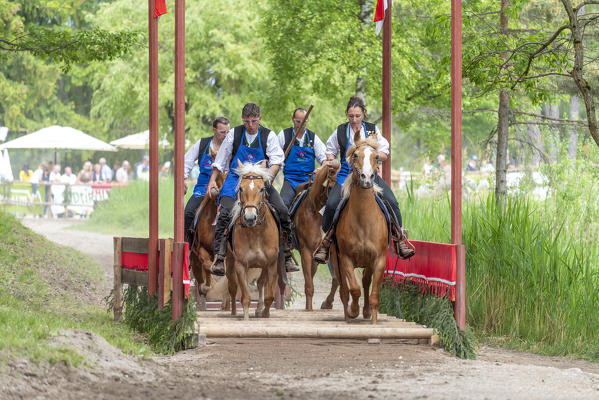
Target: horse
x=255, y=241
x=202, y=251
x=361, y=234
x=307, y=220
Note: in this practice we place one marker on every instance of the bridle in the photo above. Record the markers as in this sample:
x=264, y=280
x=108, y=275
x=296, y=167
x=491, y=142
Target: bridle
x=258, y=207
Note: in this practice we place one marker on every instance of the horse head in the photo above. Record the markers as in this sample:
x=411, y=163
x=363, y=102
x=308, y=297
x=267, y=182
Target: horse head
x=252, y=192
x=364, y=158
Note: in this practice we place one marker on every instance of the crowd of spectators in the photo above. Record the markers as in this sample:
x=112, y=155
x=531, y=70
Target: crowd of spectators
x=99, y=173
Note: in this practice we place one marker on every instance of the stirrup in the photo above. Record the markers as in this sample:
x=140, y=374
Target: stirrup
x=218, y=266
x=290, y=265
x=321, y=255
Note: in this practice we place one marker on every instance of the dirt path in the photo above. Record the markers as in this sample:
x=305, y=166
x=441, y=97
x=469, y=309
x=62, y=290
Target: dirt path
x=274, y=368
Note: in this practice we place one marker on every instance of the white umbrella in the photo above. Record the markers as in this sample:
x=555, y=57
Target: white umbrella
x=5, y=169
x=138, y=141
x=58, y=137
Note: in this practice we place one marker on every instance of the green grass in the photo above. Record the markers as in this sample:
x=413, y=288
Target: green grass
x=126, y=213
x=532, y=268
x=42, y=291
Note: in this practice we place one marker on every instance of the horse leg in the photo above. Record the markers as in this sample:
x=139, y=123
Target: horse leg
x=347, y=271
x=366, y=280
x=343, y=292
x=241, y=273
x=307, y=269
x=205, y=262
x=379, y=269
x=270, y=287
x=327, y=304
x=262, y=280
x=232, y=283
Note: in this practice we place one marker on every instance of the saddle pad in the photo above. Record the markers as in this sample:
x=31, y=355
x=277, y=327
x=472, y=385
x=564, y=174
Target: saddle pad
x=296, y=202
x=379, y=201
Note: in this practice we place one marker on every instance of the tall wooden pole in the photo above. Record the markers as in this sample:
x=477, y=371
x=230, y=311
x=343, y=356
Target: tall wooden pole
x=387, y=88
x=456, y=159
x=179, y=155
x=153, y=123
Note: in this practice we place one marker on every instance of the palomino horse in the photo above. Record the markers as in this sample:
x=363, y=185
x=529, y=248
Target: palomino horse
x=202, y=252
x=255, y=241
x=361, y=235
x=307, y=221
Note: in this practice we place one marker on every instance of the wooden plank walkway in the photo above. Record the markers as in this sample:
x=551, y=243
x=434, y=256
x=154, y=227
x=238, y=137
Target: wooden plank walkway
x=328, y=324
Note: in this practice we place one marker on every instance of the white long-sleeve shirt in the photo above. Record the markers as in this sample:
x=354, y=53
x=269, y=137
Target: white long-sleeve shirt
x=333, y=143
x=191, y=156
x=319, y=147
x=274, y=152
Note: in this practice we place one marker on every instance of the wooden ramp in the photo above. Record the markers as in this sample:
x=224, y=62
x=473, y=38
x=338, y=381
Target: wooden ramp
x=324, y=324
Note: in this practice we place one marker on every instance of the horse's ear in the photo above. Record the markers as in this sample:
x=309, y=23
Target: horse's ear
x=239, y=163
x=263, y=164
x=350, y=153
x=357, y=137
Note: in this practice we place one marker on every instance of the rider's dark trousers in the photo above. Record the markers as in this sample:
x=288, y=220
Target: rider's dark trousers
x=287, y=193
x=224, y=217
x=335, y=198
x=190, y=210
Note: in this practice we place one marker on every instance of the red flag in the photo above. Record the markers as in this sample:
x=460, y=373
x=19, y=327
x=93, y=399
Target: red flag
x=379, y=14
x=159, y=8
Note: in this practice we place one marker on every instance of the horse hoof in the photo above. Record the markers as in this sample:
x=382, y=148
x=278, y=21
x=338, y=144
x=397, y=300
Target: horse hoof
x=326, y=305
x=366, y=314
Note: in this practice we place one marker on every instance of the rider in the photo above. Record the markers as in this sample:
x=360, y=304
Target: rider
x=300, y=161
x=200, y=152
x=250, y=142
x=341, y=139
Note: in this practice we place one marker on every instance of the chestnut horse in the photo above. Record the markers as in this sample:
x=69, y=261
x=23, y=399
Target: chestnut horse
x=307, y=221
x=255, y=241
x=202, y=251
x=361, y=235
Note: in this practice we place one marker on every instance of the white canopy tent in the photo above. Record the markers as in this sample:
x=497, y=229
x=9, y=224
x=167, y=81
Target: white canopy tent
x=138, y=141
x=5, y=169
x=58, y=137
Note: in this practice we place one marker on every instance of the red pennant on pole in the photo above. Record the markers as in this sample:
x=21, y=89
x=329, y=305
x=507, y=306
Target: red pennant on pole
x=379, y=14
x=160, y=8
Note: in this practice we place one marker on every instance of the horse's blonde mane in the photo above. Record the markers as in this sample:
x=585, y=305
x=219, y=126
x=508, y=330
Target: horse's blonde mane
x=252, y=169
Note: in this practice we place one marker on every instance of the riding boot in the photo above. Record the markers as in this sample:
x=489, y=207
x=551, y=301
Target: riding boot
x=403, y=250
x=290, y=265
x=321, y=255
x=220, y=247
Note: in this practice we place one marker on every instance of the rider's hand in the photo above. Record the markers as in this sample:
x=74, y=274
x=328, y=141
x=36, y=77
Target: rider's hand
x=211, y=185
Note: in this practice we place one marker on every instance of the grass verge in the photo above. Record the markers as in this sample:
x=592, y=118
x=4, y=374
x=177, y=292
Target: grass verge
x=44, y=288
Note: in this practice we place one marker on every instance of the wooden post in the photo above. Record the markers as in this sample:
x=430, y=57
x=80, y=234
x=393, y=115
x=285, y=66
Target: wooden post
x=153, y=124
x=456, y=158
x=387, y=88
x=178, y=254
x=118, y=300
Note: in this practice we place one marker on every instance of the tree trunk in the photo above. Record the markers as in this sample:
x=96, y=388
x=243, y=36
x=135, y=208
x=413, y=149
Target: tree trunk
x=577, y=72
x=503, y=114
x=537, y=144
x=573, y=138
x=552, y=110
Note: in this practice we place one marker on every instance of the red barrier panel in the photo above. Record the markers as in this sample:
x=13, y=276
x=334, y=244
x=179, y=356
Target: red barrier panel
x=134, y=261
x=433, y=266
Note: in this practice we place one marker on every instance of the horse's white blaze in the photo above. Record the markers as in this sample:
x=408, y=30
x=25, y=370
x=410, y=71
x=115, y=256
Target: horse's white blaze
x=251, y=185
x=366, y=166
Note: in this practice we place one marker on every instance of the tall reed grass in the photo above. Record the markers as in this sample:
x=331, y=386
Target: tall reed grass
x=531, y=282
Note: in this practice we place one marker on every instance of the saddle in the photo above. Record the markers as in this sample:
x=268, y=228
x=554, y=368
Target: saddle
x=394, y=231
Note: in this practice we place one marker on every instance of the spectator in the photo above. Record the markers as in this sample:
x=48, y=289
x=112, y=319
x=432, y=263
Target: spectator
x=105, y=170
x=486, y=166
x=55, y=174
x=97, y=176
x=472, y=165
x=86, y=174
x=122, y=174
x=25, y=174
x=68, y=177
x=36, y=177
x=426, y=166
x=165, y=169
x=46, y=178
x=143, y=169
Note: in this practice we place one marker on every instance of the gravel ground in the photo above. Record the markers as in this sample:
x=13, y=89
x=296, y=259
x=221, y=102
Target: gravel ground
x=276, y=368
